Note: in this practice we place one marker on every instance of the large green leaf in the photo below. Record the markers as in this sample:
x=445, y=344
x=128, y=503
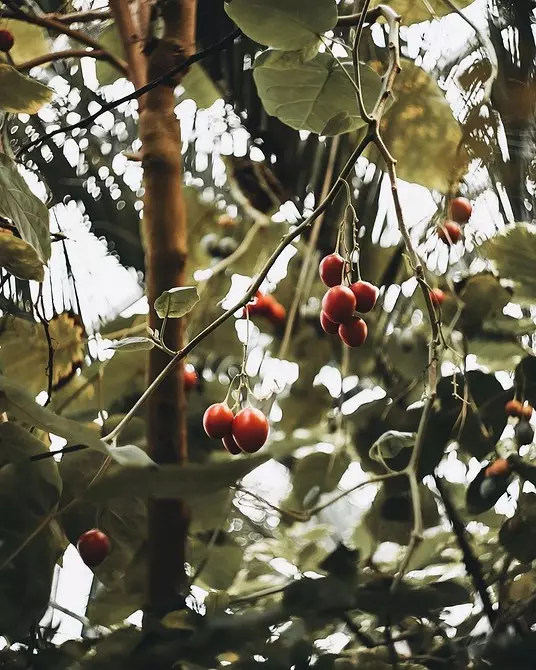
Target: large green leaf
x=20, y=258
x=111, y=41
x=19, y=93
x=513, y=253
x=30, y=41
x=283, y=24
x=310, y=95
x=221, y=561
x=23, y=208
x=21, y=403
x=186, y=482
x=318, y=473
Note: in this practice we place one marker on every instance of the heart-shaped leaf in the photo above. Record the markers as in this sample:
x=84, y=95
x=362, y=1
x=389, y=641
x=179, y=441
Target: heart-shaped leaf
x=20, y=94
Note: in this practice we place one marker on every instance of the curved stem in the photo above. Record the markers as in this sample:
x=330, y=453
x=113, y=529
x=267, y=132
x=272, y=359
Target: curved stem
x=99, y=54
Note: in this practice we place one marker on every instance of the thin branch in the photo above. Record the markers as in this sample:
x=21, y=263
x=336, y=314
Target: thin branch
x=357, y=69
x=158, y=81
x=351, y=20
x=472, y=564
x=132, y=42
x=99, y=54
x=81, y=17
x=59, y=27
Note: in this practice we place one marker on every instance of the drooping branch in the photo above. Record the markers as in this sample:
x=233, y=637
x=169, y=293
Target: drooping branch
x=63, y=55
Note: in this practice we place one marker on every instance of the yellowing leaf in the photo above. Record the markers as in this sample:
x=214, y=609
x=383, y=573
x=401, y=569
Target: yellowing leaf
x=20, y=258
x=413, y=11
x=30, y=41
x=19, y=94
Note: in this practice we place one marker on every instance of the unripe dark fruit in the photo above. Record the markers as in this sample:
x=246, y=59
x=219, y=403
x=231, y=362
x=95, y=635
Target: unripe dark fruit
x=93, y=547
x=227, y=246
x=6, y=40
x=524, y=433
x=460, y=210
x=366, y=295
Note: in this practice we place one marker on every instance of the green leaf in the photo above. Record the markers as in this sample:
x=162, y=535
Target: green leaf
x=133, y=344
x=282, y=24
x=22, y=404
x=483, y=297
x=176, y=302
x=199, y=86
x=390, y=444
x=311, y=95
x=413, y=11
x=223, y=561
x=112, y=42
x=23, y=208
x=20, y=94
x=186, y=482
x=20, y=258
x=318, y=473
x=513, y=253
x=30, y=41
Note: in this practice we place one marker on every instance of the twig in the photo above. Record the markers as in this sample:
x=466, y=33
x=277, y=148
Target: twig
x=158, y=81
x=351, y=20
x=81, y=17
x=99, y=54
x=59, y=27
x=471, y=562
x=357, y=70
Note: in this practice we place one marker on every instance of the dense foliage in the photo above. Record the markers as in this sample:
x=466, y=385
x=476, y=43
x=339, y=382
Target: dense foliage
x=358, y=309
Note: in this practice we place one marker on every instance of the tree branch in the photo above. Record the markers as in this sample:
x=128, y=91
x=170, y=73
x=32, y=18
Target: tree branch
x=63, y=55
x=132, y=42
x=157, y=81
x=81, y=17
x=59, y=27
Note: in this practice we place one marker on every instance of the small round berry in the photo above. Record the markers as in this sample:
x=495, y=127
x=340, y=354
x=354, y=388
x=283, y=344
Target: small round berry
x=499, y=468
x=526, y=412
x=437, y=296
x=328, y=326
x=232, y=447
x=460, y=210
x=366, y=295
x=6, y=40
x=514, y=408
x=217, y=420
x=250, y=429
x=523, y=433
x=449, y=233
x=331, y=269
x=339, y=304
x=278, y=314
x=353, y=333
x=93, y=547
x=190, y=377
x=227, y=246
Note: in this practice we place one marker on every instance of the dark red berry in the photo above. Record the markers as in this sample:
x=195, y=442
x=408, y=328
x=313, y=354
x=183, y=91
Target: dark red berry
x=498, y=468
x=6, y=40
x=93, y=547
x=231, y=446
x=250, y=429
x=460, y=210
x=328, y=326
x=449, y=232
x=217, y=420
x=339, y=304
x=366, y=295
x=353, y=333
x=514, y=408
x=437, y=296
x=331, y=269
x=190, y=377
x=277, y=314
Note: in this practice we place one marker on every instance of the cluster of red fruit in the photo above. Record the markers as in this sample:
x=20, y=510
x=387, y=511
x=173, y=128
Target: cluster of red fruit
x=268, y=307
x=6, y=40
x=93, y=547
x=460, y=210
x=246, y=432
x=341, y=302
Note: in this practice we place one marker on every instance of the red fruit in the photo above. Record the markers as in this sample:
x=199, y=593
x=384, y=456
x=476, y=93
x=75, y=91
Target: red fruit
x=278, y=314
x=217, y=420
x=331, y=268
x=437, y=296
x=261, y=305
x=449, y=232
x=498, y=468
x=460, y=210
x=6, y=40
x=190, y=377
x=339, y=304
x=526, y=412
x=328, y=326
x=514, y=408
x=250, y=429
x=366, y=295
x=353, y=333
x=93, y=547
x=231, y=446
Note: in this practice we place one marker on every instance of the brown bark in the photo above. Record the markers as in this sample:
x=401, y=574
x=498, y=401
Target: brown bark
x=165, y=236
x=133, y=42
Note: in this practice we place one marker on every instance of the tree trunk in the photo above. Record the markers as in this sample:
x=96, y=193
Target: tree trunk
x=165, y=238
